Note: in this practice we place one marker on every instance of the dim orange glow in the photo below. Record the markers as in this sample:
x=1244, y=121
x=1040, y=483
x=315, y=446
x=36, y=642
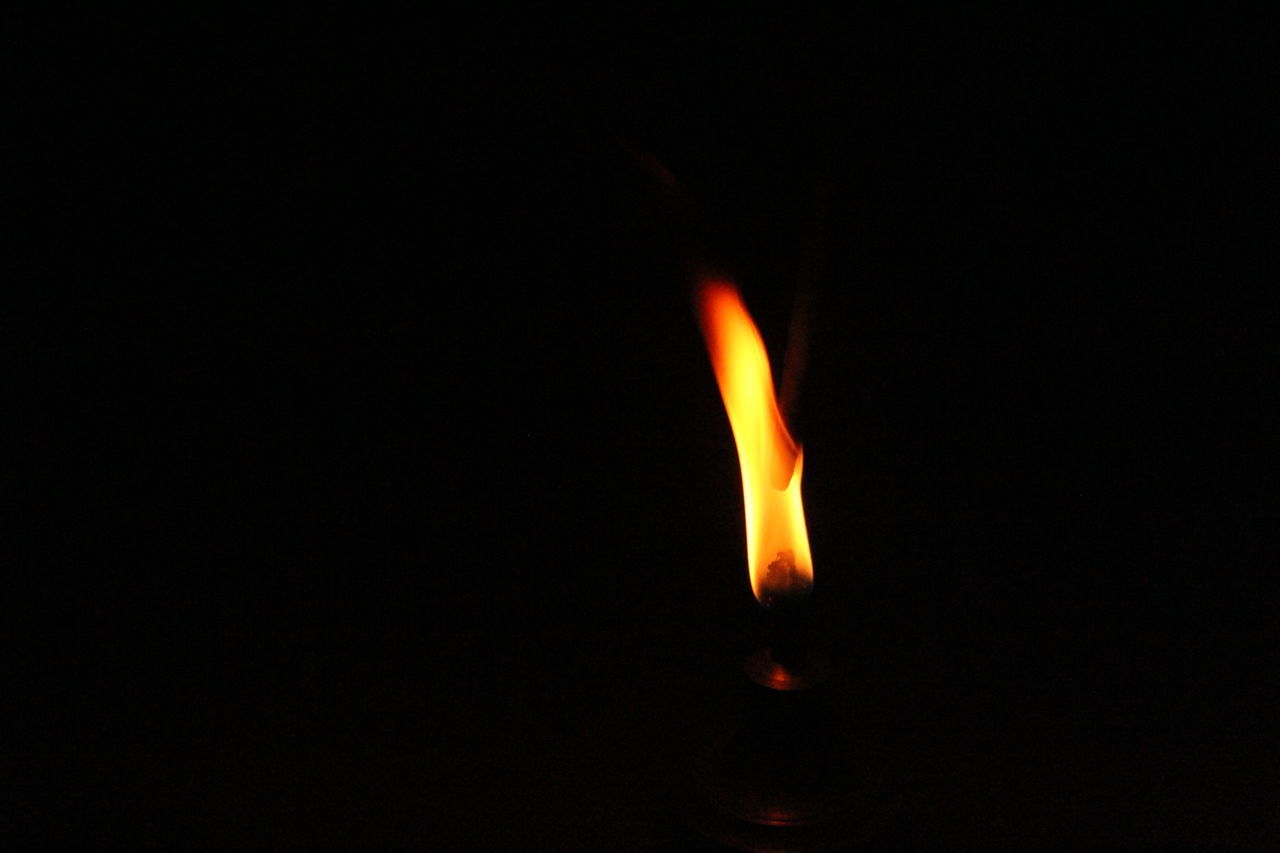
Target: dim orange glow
x=778, y=557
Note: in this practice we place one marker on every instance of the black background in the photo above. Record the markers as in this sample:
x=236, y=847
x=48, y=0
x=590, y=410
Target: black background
x=384, y=497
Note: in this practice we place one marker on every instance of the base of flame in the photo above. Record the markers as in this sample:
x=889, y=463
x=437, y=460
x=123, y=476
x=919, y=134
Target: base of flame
x=791, y=660
x=765, y=669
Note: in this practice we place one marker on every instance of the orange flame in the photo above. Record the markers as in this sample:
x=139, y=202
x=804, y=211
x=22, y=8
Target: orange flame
x=778, y=556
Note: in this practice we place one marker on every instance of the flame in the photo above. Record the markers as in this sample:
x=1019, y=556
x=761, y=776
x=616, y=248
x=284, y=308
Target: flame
x=778, y=556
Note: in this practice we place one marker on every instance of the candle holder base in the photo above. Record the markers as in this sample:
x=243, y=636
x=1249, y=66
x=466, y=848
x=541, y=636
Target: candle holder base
x=783, y=795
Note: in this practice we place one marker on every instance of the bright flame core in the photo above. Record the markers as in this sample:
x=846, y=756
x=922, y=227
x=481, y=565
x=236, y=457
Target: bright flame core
x=778, y=556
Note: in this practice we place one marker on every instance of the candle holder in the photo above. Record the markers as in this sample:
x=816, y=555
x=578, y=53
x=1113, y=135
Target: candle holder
x=785, y=776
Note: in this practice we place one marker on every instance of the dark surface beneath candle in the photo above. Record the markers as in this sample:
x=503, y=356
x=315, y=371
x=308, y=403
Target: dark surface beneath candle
x=385, y=498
